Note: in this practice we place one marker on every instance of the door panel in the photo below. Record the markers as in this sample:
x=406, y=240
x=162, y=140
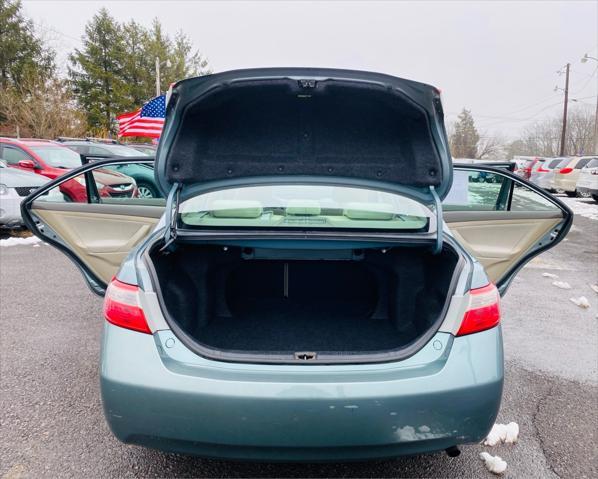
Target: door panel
x=498, y=244
x=106, y=223
x=101, y=241
x=502, y=220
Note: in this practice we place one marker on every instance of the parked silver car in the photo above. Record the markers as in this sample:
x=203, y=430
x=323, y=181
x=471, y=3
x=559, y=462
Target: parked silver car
x=14, y=186
x=543, y=173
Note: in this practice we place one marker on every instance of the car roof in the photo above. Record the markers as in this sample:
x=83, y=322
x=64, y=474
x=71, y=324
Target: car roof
x=29, y=141
x=90, y=142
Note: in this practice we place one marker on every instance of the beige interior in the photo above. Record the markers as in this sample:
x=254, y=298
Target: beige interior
x=498, y=243
x=103, y=237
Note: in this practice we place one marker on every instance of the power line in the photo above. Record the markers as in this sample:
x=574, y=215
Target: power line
x=587, y=82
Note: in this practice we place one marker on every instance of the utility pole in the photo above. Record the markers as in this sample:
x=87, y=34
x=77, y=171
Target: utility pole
x=158, y=76
x=564, y=130
x=585, y=58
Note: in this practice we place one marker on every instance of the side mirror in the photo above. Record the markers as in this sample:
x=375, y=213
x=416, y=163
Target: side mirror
x=27, y=164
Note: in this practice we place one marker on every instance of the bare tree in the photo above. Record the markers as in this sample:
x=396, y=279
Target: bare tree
x=543, y=137
x=41, y=108
x=580, y=129
x=491, y=147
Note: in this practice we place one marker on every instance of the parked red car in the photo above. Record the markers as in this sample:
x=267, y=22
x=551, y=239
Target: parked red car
x=51, y=160
x=526, y=171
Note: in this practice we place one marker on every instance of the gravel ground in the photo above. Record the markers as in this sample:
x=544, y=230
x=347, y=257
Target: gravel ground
x=51, y=416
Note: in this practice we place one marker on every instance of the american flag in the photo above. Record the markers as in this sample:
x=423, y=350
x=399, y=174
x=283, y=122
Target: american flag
x=148, y=121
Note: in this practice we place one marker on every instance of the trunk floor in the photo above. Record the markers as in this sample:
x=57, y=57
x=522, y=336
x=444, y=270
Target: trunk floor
x=316, y=328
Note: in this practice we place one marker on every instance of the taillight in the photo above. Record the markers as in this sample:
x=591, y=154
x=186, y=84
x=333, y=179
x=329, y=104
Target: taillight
x=122, y=307
x=483, y=311
x=564, y=171
x=543, y=170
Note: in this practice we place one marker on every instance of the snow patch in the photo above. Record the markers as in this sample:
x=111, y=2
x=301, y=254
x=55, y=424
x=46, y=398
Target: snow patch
x=494, y=464
x=582, y=302
x=507, y=433
x=14, y=241
x=582, y=207
x=594, y=287
x=550, y=275
x=561, y=284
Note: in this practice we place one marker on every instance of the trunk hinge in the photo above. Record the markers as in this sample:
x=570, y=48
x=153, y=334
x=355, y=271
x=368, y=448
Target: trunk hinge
x=439, y=221
x=171, y=216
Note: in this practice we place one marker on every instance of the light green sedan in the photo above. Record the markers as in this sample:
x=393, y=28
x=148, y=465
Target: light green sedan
x=320, y=282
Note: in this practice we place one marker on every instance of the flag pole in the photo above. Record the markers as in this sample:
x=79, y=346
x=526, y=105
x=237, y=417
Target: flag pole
x=157, y=76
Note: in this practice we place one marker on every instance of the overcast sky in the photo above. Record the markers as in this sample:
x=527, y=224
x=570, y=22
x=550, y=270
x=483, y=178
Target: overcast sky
x=498, y=59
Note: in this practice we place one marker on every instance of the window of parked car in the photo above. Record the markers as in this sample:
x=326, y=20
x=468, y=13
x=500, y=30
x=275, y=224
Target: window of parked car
x=554, y=163
x=582, y=162
x=58, y=156
x=114, y=150
x=79, y=148
x=485, y=191
x=122, y=183
x=593, y=163
x=12, y=155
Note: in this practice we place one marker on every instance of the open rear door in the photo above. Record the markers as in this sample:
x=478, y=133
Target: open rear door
x=94, y=214
x=503, y=220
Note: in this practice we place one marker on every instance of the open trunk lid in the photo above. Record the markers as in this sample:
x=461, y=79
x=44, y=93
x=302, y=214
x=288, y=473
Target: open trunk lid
x=280, y=124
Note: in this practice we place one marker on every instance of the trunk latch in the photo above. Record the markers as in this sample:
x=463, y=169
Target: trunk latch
x=305, y=356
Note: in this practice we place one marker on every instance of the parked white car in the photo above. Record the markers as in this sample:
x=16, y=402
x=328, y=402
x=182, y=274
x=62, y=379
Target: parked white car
x=587, y=183
x=14, y=186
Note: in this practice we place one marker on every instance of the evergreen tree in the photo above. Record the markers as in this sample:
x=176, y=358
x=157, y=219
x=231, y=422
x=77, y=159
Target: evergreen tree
x=464, y=139
x=185, y=61
x=114, y=71
x=21, y=50
x=97, y=72
x=138, y=68
x=178, y=60
x=159, y=46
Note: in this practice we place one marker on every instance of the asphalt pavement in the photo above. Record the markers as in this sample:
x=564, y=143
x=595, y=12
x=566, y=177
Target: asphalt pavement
x=52, y=423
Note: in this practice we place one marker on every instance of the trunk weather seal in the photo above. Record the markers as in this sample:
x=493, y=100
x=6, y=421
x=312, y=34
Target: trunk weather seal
x=326, y=359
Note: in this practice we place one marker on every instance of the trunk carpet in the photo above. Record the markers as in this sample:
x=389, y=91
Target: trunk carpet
x=285, y=325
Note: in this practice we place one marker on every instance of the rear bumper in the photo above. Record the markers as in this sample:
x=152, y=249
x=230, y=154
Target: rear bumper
x=562, y=183
x=587, y=190
x=300, y=413
x=545, y=181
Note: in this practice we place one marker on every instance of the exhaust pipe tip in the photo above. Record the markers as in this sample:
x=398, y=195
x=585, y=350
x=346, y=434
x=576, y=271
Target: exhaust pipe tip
x=453, y=451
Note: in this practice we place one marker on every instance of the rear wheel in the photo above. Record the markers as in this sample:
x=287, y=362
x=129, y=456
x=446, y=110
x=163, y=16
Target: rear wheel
x=145, y=190
x=583, y=194
x=571, y=194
